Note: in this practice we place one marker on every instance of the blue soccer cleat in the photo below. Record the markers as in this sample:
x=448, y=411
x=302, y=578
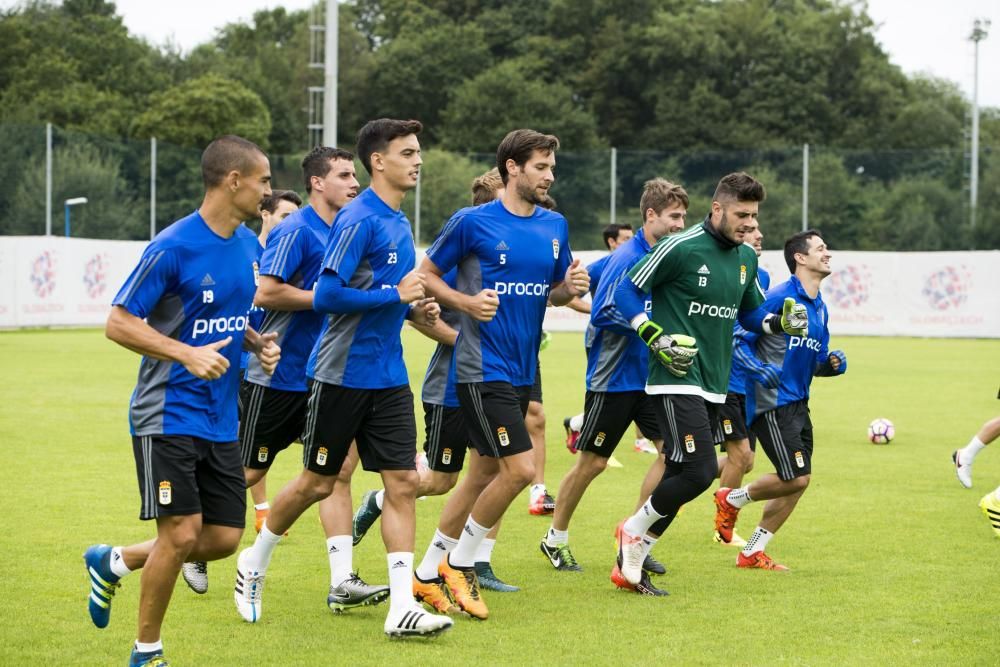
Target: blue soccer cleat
x=150, y=659
x=103, y=583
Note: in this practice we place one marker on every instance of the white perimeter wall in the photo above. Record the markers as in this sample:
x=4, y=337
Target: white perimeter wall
x=54, y=281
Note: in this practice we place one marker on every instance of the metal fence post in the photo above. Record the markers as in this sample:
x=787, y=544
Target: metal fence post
x=48, y=179
x=152, y=187
x=614, y=182
x=416, y=211
x=805, y=187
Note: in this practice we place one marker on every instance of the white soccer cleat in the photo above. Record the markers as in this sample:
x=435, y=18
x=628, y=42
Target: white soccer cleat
x=415, y=622
x=644, y=446
x=630, y=556
x=962, y=470
x=249, y=590
x=195, y=576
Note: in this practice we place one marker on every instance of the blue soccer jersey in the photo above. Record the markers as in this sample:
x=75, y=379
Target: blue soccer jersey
x=294, y=255
x=439, y=385
x=596, y=272
x=617, y=359
x=369, y=251
x=256, y=319
x=196, y=287
x=798, y=357
x=738, y=374
x=519, y=257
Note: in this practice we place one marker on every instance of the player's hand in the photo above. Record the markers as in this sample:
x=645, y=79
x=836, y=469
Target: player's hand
x=838, y=362
x=675, y=352
x=577, y=278
x=768, y=376
x=205, y=362
x=425, y=311
x=268, y=352
x=483, y=306
x=411, y=287
x=794, y=318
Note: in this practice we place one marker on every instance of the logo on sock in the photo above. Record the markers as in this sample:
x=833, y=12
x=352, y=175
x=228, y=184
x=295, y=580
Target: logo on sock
x=262, y=455
x=504, y=438
x=398, y=564
x=799, y=461
x=334, y=549
x=166, y=495
x=689, y=443
x=321, y=456
x=446, y=455
x=440, y=545
x=468, y=530
x=599, y=440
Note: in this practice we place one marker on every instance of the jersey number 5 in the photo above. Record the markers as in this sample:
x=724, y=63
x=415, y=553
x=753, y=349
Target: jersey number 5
x=503, y=258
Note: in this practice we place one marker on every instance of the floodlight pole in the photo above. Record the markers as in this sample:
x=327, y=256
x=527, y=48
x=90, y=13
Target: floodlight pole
x=980, y=30
x=70, y=203
x=48, y=179
x=331, y=40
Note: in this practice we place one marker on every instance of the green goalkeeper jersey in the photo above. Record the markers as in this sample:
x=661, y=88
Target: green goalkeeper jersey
x=698, y=282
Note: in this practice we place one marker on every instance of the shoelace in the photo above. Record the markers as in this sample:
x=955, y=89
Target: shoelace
x=566, y=555
x=472, y=583
x=201, y=567
x=253, y=587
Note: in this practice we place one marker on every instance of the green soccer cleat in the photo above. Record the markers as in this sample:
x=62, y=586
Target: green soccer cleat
x=490, y=581
x=991, y=510
x=560, y=557
x=367, y=514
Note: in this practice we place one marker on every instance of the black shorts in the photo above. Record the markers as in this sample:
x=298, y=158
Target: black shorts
x=786, y=435
x=380, y=420
x=607, y=415
x=732, y=422
x=270, y=420
x=447, y=438
x=494, y=412
x=181, y=475
x=536, y=389
x=688, y=426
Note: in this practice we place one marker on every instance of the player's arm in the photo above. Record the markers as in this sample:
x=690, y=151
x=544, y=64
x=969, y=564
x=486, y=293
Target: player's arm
x=829, y=363
x=776, y=314
x=607, y=315
x=282, y=258
x=481, y=306
x=579, y=305
x=675, y=352
x=264, y=346
x=274, y=293
x=439, y=332
x=767, y=375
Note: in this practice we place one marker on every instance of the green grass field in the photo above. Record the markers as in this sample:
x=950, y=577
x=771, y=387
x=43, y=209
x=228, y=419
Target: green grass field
x=892, y=562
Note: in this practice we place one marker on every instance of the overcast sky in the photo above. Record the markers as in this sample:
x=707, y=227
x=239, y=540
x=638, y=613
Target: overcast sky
x=929, y=36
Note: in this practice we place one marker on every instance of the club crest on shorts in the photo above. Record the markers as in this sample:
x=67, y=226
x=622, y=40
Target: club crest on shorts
x=262, y=455
x=446, y=456
x=599, y=440
x=321, y=456
x=727, y=426
x=256, y=274
x=166, y=494
x=555, y=248
x=799, y=461
x=689, y=443
x=743, y=274
x=504, y=438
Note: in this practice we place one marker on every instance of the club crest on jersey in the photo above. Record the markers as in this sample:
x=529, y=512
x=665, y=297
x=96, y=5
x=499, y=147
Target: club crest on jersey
x=689, y=443
x=504, y=438
x=262, y=455
x=555, y=248
x=743, y=274
x=799, y=461
x=166, y=494
x=727, y=426
x=446, y=456
x=599, y=440
x=256, y=274
x=321, y=456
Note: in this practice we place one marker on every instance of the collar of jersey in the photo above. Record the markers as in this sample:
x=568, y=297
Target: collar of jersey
x=710, y=229
x=310, y=214
x=375, y=203
x=797, y=284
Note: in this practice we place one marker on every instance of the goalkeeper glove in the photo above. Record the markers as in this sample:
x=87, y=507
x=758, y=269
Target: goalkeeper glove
x=676, y=353
x=794, y=319
x=767, y=375
x=842, y=358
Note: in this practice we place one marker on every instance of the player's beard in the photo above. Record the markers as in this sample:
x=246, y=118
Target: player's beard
x=729, y=233
x=530, y=194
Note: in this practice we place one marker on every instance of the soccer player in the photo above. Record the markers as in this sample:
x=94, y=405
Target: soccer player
x=732, y=430
x=184, y=309
x=359, y=390
x=780, y=413
x=963, y=458
x=617, y=365
x=700, y=281
x=512, y=257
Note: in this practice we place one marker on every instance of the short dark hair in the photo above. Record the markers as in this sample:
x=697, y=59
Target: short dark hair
x=225, y=154
x=518, y=146
x=375, y=136
x=484, y=188
x=739, y=186
x=612, y=231
x=798, y=243
x=317, y=162
x=270, y=203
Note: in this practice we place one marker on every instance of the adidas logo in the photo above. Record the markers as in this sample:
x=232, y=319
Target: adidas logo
x=398, y=564
x=502, y=246
x=334, y=549
x=703, y=271
x=439, y=545
x=392, y=245
x=468, y=530
x=207, y=280
x=116, y=556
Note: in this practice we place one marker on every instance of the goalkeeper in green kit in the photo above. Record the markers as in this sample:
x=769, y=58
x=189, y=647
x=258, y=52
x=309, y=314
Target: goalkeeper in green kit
x=700, y=282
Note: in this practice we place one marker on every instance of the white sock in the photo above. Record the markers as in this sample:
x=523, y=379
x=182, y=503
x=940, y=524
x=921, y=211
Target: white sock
x=380, y=498
x=647, y=545
x=639, y=523
x=739, y=498
x=968, y=453
x=339, y=548
x=150, y=647
x=117, y=562
x=485, y=550
x=259, y=556
x=576, y=422
x=537, y=490
x=758, y=541
x=556, y=538
x=464, y=554
x=262, y=506
x=440, y=546
x=400, y=580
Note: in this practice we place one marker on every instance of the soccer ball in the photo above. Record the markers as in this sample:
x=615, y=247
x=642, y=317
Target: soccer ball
x=881, y=431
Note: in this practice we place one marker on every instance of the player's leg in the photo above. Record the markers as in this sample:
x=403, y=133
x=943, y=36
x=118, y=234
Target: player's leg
x=647, y=418
x=488, y=579
x=963, y=458
x=540, y=501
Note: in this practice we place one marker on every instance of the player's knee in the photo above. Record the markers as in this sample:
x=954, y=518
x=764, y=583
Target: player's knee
x=703, y=475
x=749, y=465
x=592, y=465
x=520, y=470
x=800, y=484
x=437, y=483
x=316, y=487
